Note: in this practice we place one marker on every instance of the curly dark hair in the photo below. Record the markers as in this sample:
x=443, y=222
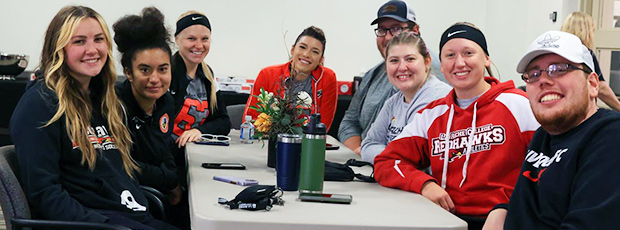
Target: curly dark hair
x=135, y=33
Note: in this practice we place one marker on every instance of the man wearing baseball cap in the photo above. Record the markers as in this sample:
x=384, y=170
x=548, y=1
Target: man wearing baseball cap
x=393, y=17
x=569, y=179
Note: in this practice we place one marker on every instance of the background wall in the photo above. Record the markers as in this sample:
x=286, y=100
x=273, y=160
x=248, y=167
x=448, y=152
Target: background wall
x=249, y=34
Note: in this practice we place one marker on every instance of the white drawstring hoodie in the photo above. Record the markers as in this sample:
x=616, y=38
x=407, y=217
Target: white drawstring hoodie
x=470, y=142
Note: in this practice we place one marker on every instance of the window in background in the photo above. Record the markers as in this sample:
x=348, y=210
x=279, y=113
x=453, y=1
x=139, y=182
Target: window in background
x=617, y=14
x=606, y=13
x=610, y=14
x=610, y=66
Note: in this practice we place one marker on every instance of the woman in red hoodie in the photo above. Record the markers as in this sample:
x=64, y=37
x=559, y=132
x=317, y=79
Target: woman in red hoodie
x=474, y=139
x=306, y=71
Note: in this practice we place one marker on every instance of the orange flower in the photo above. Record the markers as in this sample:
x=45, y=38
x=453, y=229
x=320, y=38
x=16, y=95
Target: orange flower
x=263, y=122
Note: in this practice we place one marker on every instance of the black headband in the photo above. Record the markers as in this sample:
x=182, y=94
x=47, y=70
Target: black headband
x=190, y=20
x=464, y=31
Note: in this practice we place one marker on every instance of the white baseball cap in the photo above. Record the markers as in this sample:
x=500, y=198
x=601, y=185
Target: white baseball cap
x=561, y=43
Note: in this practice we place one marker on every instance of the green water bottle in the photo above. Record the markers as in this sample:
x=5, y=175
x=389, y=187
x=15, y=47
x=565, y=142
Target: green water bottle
x=312, y=167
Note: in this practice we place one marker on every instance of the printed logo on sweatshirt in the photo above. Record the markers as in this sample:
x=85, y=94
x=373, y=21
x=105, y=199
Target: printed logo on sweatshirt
x=192, y=114
x=393, y=131
x=540, y=162
x=100, y=138
x=130, y=202
x=484, y=137
x=163, y=123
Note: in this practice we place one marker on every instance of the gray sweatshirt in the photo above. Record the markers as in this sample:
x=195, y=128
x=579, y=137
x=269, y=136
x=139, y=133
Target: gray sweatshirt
x=367, y=101
x=396, y=114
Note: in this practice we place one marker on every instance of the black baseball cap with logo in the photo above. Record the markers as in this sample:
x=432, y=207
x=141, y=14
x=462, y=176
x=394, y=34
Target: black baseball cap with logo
x=395, y=9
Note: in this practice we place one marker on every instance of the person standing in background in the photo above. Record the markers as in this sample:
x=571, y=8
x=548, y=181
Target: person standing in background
x=393, y=17
x=582, y=25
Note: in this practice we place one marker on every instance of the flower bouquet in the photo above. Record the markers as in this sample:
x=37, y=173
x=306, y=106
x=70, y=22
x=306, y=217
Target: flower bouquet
x=280, y=113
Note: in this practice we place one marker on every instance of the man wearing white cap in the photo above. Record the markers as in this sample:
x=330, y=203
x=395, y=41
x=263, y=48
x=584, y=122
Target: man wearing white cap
x=393, y=17
x=569, y=179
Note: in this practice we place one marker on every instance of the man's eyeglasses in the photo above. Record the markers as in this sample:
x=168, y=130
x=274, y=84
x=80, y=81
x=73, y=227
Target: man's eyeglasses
x=554, y=70
x=380, y=32
x=215, y=138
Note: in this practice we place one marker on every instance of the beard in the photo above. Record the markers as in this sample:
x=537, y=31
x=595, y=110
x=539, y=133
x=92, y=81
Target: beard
x=565, y=119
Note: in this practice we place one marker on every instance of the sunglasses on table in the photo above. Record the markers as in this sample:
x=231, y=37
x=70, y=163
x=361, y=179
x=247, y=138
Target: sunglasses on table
x=553, y=71
x=215, y=138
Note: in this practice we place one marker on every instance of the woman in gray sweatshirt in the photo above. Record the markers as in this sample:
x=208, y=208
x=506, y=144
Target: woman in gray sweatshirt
x=408, y=63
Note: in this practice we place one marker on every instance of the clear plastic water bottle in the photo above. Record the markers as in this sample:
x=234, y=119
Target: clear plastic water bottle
x=247, y=131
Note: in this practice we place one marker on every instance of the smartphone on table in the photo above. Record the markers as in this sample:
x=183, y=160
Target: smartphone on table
x=237, y=166
x=326, y=198
x=329, y=146
x=207, y=142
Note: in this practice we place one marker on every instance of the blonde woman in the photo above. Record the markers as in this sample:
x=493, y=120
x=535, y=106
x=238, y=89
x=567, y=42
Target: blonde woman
x=474, y=139
x=582, y=25
x=198, y=106
x=198, y=110
x=80, y=168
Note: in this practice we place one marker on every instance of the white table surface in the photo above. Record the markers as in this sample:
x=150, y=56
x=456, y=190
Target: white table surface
x=373, y=206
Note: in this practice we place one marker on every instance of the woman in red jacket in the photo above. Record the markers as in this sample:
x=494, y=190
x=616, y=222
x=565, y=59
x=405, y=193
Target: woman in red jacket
x=474, y=139
x=308, y=75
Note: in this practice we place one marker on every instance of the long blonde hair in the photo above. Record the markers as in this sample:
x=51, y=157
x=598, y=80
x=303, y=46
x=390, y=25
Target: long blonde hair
x=75, y=105
x=581, y=25
x=205, y=68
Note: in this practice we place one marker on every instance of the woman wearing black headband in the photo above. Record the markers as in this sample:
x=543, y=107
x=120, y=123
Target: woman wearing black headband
x=474, y=139
x=198, y=110
x=197, y=105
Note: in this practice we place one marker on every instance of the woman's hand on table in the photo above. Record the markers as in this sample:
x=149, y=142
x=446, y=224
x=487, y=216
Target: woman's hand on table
x=438, y=195
x=354, y=143
x=188, y=136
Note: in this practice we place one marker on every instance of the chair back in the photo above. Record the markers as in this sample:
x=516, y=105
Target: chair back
x=235, y=113
x=12, y=198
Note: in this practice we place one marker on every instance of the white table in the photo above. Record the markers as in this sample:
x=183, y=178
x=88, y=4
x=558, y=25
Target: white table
x=373, y=206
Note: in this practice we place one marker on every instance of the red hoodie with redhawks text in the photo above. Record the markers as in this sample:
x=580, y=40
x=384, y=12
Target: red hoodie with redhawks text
x=483, y=165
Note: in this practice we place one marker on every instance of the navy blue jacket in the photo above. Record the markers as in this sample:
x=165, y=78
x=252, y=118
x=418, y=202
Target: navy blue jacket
x=57, y=185
x=152, y=144
x=570, y=181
